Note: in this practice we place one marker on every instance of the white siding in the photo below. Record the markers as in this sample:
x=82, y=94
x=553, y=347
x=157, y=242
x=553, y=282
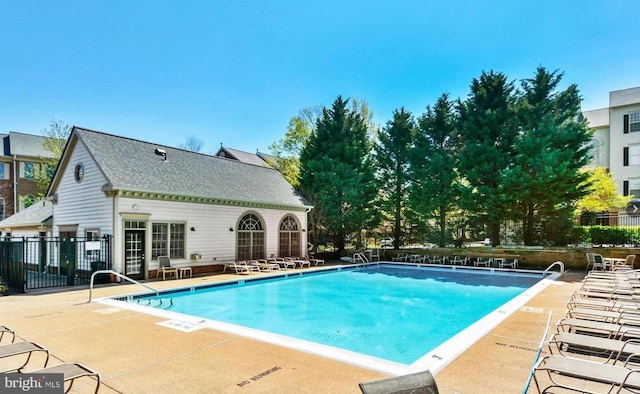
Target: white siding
x=212, y=238
x=83, y=203
x=619, y=141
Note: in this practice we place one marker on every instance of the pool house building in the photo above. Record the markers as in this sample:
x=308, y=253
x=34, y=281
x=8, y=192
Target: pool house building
x=151, y=200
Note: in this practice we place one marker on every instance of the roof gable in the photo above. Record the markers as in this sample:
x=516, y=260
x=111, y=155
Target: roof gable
x=34, y=215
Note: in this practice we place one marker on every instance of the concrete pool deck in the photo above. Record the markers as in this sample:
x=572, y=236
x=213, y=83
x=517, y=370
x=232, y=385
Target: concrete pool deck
x=134, y=354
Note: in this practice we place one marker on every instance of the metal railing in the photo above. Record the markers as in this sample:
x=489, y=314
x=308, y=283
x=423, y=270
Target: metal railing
x=119, y=275
x=557, y=263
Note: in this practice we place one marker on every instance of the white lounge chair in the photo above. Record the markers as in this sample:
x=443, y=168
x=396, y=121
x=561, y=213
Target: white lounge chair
x=576, y=345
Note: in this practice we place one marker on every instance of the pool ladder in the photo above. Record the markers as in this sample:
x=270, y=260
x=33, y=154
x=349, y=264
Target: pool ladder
x=119, y=275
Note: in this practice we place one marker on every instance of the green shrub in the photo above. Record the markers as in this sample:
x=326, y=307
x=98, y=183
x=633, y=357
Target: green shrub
x=609, y=235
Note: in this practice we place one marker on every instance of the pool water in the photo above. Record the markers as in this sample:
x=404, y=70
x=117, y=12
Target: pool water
x=396, y=313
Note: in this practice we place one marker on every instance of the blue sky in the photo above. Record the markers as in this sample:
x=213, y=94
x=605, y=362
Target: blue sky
x=235, y=72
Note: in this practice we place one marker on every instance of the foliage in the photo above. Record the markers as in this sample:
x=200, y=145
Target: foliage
x=55, y=139
x=337, y=173
x=392, y=152
x=608, y=235
x=602, y=193
x=435, y=188
x=4, y=289
x=550, y=150
x=287, y=150
x=192, y=143
x=487, y=131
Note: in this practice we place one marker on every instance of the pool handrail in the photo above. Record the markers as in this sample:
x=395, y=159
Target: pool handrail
x=360, y=257
x=557, y=263
x=119, y=275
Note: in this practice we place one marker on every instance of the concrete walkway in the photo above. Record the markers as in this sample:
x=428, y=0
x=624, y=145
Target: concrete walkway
x=135, y=355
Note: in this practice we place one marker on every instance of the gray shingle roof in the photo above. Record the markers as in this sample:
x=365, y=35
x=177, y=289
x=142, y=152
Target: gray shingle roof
x=34, y=215
x=27, y=145
x=131, y=164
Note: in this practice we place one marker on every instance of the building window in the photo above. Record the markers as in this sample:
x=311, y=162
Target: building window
x=2, y=171
x=596, y=145
x=634, y=188
x=29, y=170
x=2, y=205
x=167, y=239
x=250, y=238
x=634, y=121
x=289, y=245
x=634, y=155
x=78, y=172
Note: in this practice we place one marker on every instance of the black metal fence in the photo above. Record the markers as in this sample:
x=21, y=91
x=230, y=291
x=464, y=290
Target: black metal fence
x=41, y=262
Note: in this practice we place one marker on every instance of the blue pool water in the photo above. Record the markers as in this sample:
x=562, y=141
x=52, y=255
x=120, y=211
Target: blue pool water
x=391, y=312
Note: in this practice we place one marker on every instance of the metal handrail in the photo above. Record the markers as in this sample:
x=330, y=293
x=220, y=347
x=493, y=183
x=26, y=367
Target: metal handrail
x=119, y=275
x=361, y=257
x=558, y=263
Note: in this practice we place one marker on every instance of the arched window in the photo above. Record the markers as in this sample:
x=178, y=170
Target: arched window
x=250, y=238
x=289, y=237
x=596, y=145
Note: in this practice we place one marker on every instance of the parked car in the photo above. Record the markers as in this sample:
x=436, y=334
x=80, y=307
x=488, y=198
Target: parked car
x=386, y=242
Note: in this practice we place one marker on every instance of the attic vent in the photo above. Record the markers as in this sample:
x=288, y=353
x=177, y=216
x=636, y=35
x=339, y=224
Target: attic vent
x=162, y=153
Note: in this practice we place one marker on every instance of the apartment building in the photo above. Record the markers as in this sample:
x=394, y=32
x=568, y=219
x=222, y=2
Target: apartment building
x=21, y=155
x=616, y=139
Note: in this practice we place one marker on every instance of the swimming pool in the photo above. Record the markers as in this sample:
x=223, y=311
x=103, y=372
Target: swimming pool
x=388, y=317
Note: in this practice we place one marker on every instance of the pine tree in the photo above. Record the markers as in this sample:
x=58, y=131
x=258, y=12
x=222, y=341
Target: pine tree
x=551, y=149
x=336, y=172
x=488, y=132
x=392, y=160
x=435, y=189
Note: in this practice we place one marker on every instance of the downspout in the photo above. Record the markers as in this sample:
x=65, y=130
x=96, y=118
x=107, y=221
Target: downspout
x=115, y=230
x=15, y=184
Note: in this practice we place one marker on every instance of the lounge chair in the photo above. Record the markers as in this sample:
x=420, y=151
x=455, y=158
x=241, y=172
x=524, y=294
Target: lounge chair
x=507, y=262
x=71, y=372
x=284, y=263
x=418, y=383
x=317, y=262
x=624, y=330
x=462, y=260
x=266, y=265
x=241, y=267
x=21, y=348
x=164, y=267
x=485, y=261
x=613, y=350
x=569, y=369
x=9, y=332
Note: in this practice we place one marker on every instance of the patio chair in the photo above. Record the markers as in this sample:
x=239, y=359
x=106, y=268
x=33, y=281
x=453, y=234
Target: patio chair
x=266, y=265
x=418, y=383
x=21, y=348
x=6, y=330
x=71, y=372
x=568, y=368
x=164, y=267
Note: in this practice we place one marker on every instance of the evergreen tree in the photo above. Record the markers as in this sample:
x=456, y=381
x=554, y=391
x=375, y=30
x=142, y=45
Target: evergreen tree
x=392, y=152
x=487, y=129
x=435, y=190
x=551, y=149
x=336, y=172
